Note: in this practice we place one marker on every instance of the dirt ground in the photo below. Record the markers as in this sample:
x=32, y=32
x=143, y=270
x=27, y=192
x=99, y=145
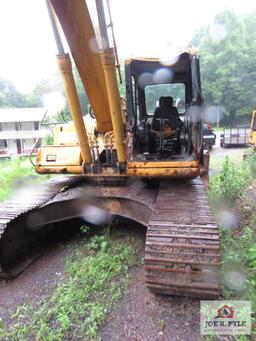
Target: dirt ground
x=35, y=282
x=218, y=154
x=139, y=316
x=143, y=316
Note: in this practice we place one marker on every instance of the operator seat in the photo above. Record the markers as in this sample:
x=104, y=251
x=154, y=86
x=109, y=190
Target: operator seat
x=165, y=128
x=167, y=112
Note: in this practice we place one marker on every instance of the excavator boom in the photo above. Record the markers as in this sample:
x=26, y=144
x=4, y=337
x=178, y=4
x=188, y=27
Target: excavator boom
x=76, y=23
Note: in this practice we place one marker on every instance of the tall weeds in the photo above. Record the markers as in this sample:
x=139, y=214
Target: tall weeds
x=233, y=179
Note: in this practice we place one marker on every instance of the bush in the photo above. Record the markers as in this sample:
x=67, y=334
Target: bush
x=237, y=246
x=11, y=172
x=232, y=180
x=17, y=172
x=251, y=160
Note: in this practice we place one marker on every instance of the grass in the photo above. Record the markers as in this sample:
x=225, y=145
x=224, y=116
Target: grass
x=238, y=251
x=96, y=275
x=239, y=245
x=233, y=178
x=96, y=271
x=16, y=171
x=239, y=256
x=216, y=161
x=215, y=129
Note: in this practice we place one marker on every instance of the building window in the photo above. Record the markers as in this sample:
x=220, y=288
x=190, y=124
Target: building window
x=3, y=144
x=36, y=125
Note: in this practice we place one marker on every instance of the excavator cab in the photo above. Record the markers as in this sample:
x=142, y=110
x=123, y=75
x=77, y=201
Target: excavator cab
x=163, y=132
x=164, y=112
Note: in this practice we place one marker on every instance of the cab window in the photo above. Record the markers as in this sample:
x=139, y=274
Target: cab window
x=175, y=90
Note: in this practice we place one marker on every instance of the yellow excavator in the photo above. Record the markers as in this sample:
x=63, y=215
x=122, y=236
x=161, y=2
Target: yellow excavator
x=142, y=163
x=252, y=134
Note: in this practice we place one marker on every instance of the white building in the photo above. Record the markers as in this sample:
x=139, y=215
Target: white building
x=19, y=130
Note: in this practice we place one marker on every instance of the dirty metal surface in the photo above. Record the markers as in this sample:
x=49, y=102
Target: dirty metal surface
x=16, y=235
x=32, y=209
x=182, y=255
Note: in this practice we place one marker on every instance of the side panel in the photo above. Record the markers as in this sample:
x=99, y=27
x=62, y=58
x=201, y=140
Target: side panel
x=77, y=26
x=170, y=169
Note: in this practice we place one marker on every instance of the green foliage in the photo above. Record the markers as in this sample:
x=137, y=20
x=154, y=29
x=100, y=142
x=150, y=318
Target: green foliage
x=11, y=172
x=251, y=160
x=237, y=246
x=44, y=87
x=17, y=171
x=96, y=274
x=55, y=84
x=232, y=180
x=84, y=229
x=35, y=97
x=81, y=93
x=239, y=253
x=48, y=140
x=228, y=58
x=10, y=96
x=121, y=86
x=154, y=92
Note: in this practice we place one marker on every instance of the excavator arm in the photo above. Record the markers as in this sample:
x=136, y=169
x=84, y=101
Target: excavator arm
x=76, y=23
x=97, y=71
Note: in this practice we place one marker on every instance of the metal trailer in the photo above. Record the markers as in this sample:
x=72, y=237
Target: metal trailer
x=234, y=137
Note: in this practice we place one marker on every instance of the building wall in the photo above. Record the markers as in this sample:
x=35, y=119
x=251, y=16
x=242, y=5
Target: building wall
x=28, y=144
x=7, y=126
x=10, y=126
x=12, y=147
x=21, y=139
x=27, y=126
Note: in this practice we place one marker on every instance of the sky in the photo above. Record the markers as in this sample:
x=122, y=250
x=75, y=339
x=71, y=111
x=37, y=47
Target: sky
x=153, y=28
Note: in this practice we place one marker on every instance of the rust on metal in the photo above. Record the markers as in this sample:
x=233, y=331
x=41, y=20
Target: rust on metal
x=182, y=255
x=30, y=211
x=182, y=252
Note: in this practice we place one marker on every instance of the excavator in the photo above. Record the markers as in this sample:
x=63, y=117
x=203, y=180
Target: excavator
x=143, y=162
x=252, y=134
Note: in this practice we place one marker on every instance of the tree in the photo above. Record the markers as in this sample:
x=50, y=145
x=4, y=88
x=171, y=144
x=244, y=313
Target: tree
x=228, y=59
x=35, y=97
x=43, y=87
x=10, y=96
x=83, y=99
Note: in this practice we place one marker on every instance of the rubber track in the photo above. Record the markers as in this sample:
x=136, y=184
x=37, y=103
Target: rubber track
x=182, y=255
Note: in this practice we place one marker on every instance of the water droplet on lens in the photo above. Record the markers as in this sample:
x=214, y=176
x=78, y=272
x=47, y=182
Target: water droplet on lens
x=218, y=32
x=145, y=79
x=162, y=75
